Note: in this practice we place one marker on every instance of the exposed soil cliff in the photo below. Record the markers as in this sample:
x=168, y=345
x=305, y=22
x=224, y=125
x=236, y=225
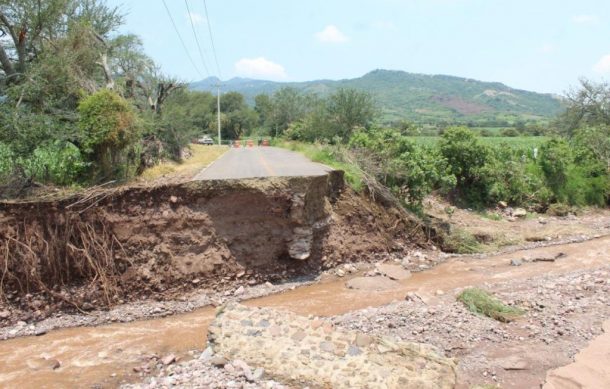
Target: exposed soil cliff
x=116, y=244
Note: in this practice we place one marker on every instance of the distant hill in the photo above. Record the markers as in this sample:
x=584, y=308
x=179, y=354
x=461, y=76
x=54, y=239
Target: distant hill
x=418, y=97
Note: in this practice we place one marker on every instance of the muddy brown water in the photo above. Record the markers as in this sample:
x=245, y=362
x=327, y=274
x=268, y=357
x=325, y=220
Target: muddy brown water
x=106, y=355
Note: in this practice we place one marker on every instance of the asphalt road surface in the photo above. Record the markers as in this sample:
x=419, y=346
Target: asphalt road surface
x=261, y=162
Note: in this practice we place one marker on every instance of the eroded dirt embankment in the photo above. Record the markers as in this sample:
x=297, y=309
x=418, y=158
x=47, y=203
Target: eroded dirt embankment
x=110, y=245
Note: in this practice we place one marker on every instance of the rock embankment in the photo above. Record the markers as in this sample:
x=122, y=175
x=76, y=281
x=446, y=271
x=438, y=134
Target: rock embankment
x=310, y=351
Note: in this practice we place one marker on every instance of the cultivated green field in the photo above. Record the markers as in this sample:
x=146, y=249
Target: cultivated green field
x=516, y=142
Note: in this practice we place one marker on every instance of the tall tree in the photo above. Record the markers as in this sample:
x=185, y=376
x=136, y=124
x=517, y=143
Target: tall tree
x=588, y=105
x=349, y=109
x=28, y=26
x=264, y=107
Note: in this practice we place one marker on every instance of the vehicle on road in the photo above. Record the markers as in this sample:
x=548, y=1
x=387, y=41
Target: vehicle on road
x=205, y=140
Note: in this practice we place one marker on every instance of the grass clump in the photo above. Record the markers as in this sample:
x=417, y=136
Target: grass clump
x=483, y=303
x=460, y=241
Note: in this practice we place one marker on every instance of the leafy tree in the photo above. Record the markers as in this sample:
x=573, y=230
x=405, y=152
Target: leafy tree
x=349, y=109
x=264, y=108
x=30, y=24
x=589, y=105
x=236, y=116
x=288, y=108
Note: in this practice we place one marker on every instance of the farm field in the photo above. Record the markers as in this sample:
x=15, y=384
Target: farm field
x=516, y=142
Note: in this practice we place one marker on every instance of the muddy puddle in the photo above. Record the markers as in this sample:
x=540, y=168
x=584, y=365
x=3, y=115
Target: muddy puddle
x=105, y=356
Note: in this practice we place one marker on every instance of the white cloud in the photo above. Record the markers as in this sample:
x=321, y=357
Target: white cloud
x=603, y=65
x=384, y=25
x=195, y=18
x=331, y=34
x=260, y=67
x=585, y=19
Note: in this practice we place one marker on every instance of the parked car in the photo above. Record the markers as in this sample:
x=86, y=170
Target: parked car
x=205, y=140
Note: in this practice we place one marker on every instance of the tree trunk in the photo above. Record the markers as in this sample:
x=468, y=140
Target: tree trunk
x=107, y=72
x=7, y=66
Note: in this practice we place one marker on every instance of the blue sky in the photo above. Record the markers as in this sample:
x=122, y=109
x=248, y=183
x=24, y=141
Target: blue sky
x=536, y=45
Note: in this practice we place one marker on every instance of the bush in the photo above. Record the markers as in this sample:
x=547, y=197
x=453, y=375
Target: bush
x=510, y=132
x=574, y=173
x=411, y=171
x=467, y=159
x=59, y=163
x=109, y=131
x=7, y=161
x=555, y=159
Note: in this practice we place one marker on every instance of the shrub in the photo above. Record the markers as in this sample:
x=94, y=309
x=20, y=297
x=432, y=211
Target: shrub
x=7, y=163
x=555, y=159
x=109, y=131
x=412, y=171
x=60, y=163
x=510, y=132
x=466, y=158
x=481, y=302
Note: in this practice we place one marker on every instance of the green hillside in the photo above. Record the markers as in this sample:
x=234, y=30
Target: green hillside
x=420, y=97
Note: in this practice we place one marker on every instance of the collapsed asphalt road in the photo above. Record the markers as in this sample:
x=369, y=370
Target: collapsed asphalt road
x=254, y=162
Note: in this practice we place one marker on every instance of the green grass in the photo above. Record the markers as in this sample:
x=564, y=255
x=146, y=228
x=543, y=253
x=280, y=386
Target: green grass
x=332, y=156
x=482, y=303
x=460, y=241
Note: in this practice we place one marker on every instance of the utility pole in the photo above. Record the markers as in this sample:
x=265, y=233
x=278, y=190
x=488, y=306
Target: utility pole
x=218, y=111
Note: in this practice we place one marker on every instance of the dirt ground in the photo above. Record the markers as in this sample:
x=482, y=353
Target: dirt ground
x=565, y=311
x=496, y=228
x=563, y=314
x=105, y=248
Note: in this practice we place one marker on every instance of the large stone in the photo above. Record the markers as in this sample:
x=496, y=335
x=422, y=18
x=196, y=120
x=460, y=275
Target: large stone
x=519, y=212
x=590, y=369
x=335, y=359
x=394, y=272
x=300, y=246
x=372, y=283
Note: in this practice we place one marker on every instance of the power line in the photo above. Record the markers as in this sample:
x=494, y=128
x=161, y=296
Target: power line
x=207, y=18
x=196, y=39
x=181, y=40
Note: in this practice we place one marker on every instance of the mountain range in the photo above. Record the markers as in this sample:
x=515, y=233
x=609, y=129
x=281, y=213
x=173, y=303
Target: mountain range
x=417, y=97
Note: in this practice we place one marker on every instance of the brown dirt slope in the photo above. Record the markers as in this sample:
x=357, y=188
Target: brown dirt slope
x=116, y=244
